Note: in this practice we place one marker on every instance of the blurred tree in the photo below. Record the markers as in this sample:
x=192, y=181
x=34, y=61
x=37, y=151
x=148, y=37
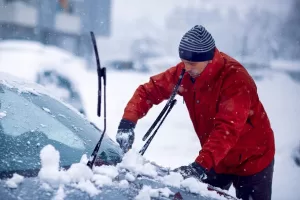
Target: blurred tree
x=290, y=41
x=144, y=48
x=260, y=39
x=296, y=155
x=147, y=43
x=223, y=24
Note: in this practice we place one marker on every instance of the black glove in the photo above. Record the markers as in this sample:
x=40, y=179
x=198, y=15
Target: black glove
x=125, y=134
x=193, y=170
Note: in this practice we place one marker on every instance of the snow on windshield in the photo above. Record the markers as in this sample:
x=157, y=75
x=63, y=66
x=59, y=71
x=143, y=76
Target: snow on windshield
x=148, y=192
x=14, y=181
x=80, y=176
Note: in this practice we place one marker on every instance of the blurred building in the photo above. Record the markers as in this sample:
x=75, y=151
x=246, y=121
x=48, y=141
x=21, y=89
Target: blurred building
x=62, y=23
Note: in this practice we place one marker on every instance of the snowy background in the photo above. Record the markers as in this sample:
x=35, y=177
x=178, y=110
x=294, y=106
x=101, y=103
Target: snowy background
x=254, y=34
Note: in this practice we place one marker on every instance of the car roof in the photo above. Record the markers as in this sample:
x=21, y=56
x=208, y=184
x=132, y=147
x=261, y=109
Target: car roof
x=22, y=85
x=27, y=86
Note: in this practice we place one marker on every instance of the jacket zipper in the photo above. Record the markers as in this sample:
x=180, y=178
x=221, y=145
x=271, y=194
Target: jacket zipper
x=195, y=109
x=250, y=123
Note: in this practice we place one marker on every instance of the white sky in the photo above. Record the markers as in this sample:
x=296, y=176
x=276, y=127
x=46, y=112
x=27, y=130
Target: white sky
x=156, y=10
x=133, y=18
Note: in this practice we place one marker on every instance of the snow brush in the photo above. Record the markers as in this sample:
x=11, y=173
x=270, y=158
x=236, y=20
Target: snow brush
x=163, y=114
x=101, y=72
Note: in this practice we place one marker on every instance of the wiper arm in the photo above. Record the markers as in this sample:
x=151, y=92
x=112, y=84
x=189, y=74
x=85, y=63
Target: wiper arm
x=162, y=115
x=101, y=74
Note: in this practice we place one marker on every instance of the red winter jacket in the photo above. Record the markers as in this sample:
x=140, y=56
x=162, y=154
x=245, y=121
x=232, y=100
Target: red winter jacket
x=228, y=117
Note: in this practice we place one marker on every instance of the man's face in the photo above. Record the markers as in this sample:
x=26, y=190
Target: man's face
x=195, y=68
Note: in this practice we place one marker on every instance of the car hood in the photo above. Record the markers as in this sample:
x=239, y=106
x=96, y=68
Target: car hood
x=34, y=188
x=133, y=177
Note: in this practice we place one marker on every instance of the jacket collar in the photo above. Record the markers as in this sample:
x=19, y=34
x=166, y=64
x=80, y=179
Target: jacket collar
x=210, y=73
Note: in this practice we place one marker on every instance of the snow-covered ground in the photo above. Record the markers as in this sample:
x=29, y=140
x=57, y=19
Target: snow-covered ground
x=176, y=143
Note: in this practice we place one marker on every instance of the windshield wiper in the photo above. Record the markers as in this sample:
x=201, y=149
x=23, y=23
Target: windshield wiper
x=162, y=115
x=101, y=74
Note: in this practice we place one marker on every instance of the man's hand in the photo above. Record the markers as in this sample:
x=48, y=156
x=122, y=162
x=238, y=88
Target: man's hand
x=193, y=170
x=125, y=134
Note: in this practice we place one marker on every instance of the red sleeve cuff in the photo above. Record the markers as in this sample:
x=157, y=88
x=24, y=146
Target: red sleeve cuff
x=130, y=116
x=205, y=160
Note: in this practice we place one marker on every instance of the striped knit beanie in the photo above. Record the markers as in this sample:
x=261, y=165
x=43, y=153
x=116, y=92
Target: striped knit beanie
x=197, y=45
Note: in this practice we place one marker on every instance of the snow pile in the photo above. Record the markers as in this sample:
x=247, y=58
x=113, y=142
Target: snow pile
x=78, y=175
x=2, y=114
x=190, y=184
x=129, y=177
x=101, y=180
x=147, y=192
x=110, y=171
x=123, y=184
x=51, y=172
x=50, y=165
x=173, y=179
x=87, y=186
x=79, y=172
x=104, y=175
x=14, y=181
x=137, y=164
x=84, y=159
x=60, y=194
x=195, y=186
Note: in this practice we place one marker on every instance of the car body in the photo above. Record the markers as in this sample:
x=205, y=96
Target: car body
x=30, y=119
x=46, y=65
x=57, y=81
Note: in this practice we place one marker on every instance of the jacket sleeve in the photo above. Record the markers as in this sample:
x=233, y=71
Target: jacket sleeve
x=159, y=88
x=233, y=111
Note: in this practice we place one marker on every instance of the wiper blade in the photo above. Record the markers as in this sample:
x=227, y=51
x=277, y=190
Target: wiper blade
x=101, y=74
x=162, y=115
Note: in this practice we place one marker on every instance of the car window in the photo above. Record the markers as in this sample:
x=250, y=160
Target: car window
x=28, y=122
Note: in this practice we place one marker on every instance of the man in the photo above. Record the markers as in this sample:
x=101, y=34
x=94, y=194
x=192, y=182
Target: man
x=229, y=119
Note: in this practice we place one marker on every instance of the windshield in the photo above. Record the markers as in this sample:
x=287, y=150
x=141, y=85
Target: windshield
x=28, y=122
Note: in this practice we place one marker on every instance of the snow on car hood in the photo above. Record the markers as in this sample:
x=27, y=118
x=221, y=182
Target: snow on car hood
x=81, y=177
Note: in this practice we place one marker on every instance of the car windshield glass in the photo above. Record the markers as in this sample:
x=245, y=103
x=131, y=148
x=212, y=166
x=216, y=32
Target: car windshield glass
x=28, y=122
